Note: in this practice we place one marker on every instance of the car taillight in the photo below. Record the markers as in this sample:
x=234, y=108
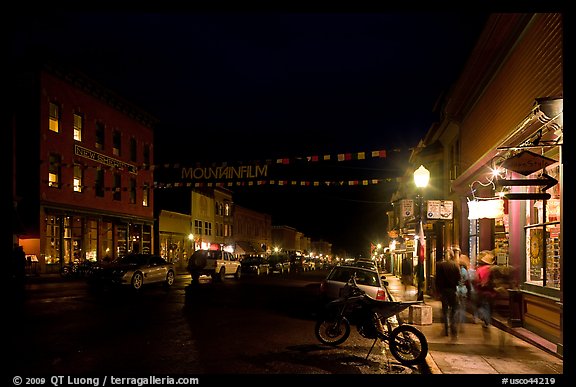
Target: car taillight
x=381, y=295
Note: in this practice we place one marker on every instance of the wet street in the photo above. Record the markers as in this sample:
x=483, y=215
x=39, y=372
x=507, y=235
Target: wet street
x=255, y=325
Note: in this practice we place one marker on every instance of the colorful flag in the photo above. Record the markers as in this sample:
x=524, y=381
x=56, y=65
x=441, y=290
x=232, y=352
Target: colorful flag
x=421, y=243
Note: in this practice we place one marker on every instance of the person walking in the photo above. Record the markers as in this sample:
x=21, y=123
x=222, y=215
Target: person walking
x=447, y=278
x=463, y=290
x=485, y=287
x=406, y=276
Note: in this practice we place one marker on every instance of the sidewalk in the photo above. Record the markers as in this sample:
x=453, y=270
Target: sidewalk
x=497, y=349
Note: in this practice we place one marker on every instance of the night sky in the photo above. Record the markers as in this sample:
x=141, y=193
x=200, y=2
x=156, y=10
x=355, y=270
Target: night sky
x=234, y=86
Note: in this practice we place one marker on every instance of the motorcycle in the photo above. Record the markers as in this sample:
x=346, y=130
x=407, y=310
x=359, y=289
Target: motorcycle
x=374, y=319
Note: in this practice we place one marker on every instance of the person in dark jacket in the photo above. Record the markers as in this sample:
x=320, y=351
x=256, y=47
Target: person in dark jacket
x=447, y=278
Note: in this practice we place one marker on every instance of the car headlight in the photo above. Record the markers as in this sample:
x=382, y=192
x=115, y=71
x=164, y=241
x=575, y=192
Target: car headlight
x=119, y=272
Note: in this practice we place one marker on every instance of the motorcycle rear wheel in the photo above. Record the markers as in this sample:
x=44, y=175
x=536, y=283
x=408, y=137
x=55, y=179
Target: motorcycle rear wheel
x=408, y=345
x=332, y=332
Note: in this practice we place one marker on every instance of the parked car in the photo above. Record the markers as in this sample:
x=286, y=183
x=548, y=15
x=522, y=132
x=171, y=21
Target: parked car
x=255, y=265
x=297, y=262
x=365, y=263
x=216, y=263
x=368, y=280
x=279, y=263
x=135, y=270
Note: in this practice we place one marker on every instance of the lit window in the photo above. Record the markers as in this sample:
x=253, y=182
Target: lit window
x=78, y=125
x=116, y=143
x=145, y=195
x=54, y=171
x=54, y=120
x=78, y=175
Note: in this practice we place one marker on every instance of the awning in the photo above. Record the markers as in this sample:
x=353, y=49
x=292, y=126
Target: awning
x=245, y=248
x=543, y=127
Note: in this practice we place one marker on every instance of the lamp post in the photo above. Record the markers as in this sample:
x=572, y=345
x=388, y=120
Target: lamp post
x=421, y=178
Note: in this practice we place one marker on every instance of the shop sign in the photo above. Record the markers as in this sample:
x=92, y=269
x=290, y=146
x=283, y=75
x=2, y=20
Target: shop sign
x=489, y=209
x=546, y=181
x=526, y=163
x=440, y=209
x=407, y=208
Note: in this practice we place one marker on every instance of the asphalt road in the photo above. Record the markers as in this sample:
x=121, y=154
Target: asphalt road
x=254, y=325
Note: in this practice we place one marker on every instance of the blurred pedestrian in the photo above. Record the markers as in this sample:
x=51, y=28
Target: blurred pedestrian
x=485, y=287
x=447, y=278
x=463, y=288
x=406, y=276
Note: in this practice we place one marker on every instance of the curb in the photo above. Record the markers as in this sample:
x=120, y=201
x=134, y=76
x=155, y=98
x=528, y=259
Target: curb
x=430, y=366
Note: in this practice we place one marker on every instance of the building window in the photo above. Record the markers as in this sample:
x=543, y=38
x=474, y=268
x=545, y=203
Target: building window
x=132, y=191
x=227, y=209
x=543, y=236
x=100, y=135
x=78, y=126
x=54, y=118
x=54, y=168
x=78, y=177
x=146, y=196
x=117, y=187
x=106, y=241
x=198, y=227
x=207, y=228
x=91, y=248
x=147, y=154
x=117, y=143
x=133, y=155
x=100, y=182
x=52, y=246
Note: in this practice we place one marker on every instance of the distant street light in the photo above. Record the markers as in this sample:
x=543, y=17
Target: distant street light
x=421, y=178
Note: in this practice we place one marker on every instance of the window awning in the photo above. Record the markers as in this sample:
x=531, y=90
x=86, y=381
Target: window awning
x=246, y=248
x=542, y=127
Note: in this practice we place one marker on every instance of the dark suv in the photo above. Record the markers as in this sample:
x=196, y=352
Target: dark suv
x=279, y=263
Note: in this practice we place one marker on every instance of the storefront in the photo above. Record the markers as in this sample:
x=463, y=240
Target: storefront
x=69, y=236
x=525, y=176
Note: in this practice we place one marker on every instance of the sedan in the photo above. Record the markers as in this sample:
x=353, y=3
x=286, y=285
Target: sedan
x=368, y=280
x=135, y=271
x=365, y=264
x=255, y=265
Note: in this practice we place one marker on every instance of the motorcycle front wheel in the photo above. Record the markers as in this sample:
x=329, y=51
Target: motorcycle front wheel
x=408, y=345
x=332, y=332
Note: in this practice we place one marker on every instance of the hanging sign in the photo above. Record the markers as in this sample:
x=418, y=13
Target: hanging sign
x=545, y=180
x=440, y=209
x=490, y=209
x=527, y=162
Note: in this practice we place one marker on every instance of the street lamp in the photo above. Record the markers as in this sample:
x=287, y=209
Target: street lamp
x=421, y=178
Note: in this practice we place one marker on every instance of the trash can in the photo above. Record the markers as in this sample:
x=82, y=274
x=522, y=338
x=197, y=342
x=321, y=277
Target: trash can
x=516, y=308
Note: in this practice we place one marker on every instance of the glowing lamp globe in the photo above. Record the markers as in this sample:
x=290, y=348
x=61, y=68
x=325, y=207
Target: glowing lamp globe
x=421, y=177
